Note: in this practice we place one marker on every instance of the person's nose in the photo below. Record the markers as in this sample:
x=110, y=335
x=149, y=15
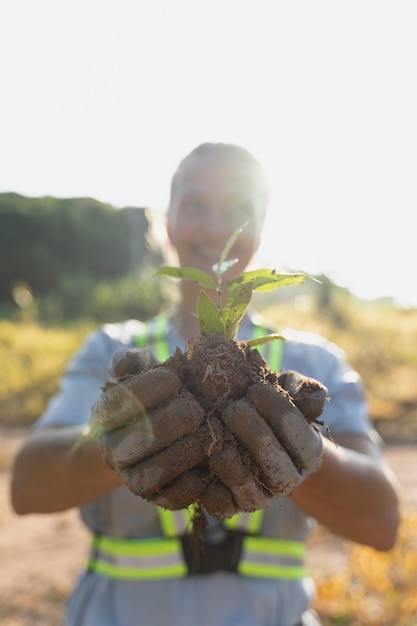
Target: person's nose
x=216, y=223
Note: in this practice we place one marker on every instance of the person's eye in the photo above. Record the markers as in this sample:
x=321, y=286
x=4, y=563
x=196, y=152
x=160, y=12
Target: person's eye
x=243, y=208
x=194, y=206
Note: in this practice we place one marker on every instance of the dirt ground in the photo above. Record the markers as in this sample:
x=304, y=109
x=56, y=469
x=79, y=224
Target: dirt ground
x=41, y=555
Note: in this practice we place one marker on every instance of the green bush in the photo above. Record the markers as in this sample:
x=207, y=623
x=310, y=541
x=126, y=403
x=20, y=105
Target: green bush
x=44, y=241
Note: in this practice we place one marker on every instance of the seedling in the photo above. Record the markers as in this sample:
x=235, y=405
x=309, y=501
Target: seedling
x=233, y=298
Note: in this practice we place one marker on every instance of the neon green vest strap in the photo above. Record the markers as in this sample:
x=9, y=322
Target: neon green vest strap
x=249, y=522
x=271, y=351
x=161, y=558
x=267, y=557
x=137, y=559
x=157, y=329
x=175, y=523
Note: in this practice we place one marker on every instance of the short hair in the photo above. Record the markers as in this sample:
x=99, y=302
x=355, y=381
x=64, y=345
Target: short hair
x=237, y=154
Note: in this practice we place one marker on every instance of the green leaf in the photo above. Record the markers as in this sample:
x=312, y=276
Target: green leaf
x=189, y=273
x=228, y=247
x=265, y=280
x=279, y=280
x=226, y=316
x=209, y=316
x=258, y=341
x=237, y=309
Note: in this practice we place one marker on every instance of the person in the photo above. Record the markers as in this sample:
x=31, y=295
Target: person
x=352, y=491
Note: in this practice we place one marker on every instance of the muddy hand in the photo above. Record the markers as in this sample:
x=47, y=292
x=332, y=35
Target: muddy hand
x=308, y=394
x=282, y=444
x=137, y=419
x=126, y=363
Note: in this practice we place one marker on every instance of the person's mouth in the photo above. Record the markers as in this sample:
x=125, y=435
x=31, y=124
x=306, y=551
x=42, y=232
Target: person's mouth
x=210, y=254
x=214, y=252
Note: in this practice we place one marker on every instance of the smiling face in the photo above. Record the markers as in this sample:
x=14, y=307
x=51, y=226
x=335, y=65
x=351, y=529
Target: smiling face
x=214, y=192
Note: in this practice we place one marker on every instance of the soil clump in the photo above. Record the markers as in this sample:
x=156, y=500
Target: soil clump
x=215, y=442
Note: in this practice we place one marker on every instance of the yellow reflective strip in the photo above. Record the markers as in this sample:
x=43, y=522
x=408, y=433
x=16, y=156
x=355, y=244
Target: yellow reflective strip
x=279, y=547
x=234, y=521
x=189, y=514
x=261, y=570
x=255, y=521
x=142, y=549
x=168, y=523
x=259, y=331
x=254, y=563
x=256, y=549
x=135, y=573
x=275, y=354
x=140, y=340
x=174, y=523
x=136, y=547
x=251, y=522
x=161, y=345
x=271, y=351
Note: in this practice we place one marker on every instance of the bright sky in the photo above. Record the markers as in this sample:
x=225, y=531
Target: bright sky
x=102, y=98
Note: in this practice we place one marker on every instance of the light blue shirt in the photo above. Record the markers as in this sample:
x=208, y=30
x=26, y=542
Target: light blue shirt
x=219, y=599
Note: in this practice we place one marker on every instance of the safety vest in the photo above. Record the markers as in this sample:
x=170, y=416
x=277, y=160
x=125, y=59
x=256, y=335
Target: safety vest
x=159, y=558
x=155, y=331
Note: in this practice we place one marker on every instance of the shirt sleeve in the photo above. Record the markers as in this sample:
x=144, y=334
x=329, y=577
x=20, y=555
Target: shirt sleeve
x=346, y=410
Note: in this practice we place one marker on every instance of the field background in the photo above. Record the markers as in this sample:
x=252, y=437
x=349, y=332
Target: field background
x=356, y=585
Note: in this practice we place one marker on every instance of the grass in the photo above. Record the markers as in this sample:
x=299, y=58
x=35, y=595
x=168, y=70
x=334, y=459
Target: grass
x=33, y=358
x=375, y=588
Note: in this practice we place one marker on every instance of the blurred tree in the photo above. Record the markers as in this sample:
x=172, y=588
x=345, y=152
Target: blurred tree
x=45, y=239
